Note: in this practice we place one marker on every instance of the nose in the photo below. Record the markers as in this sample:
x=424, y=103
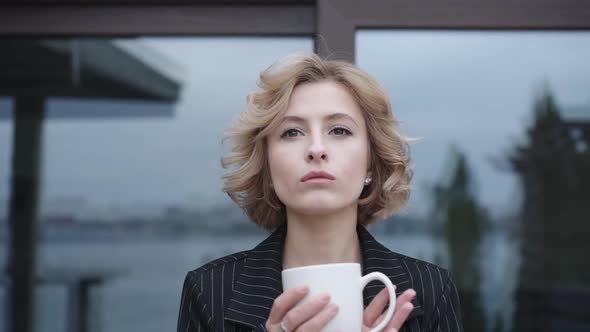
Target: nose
x=317, y=151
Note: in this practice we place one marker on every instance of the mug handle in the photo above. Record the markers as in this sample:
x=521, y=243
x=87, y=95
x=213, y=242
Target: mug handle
x=392, y=297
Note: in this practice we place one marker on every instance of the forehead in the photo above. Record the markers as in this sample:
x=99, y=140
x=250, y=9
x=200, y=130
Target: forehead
x=318, y=99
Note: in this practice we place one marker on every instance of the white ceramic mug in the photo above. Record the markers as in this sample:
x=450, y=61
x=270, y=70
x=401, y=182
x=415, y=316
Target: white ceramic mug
x=344, y=283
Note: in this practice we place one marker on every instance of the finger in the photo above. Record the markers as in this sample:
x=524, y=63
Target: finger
x=400, y=316
x=300, y=314
x=284, y=302
x=405, y=297
x=317, y=322
x=375, y=308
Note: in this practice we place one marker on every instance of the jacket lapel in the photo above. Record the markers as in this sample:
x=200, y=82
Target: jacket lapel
x=260, y=282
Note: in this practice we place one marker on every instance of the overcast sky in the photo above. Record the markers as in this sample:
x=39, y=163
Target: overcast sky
x=474, y=89
x=471, y=88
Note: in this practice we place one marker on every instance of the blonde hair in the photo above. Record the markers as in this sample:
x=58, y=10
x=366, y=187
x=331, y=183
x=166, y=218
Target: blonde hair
x=248, y=183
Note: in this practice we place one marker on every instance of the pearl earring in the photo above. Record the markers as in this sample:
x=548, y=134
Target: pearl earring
x=368, y=180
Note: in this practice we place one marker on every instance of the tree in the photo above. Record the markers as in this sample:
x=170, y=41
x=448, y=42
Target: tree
x=458, y=210
x=553, y=167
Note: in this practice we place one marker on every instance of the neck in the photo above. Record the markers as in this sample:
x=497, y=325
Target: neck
x=325, y=239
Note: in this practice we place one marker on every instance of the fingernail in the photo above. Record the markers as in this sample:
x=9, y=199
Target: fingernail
x=325, y=298
x=333, y=308
x=302, y=289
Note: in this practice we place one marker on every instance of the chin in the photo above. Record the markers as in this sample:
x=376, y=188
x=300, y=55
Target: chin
x=319, y=206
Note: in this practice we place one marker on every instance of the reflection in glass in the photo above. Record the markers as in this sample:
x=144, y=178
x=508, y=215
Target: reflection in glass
x=6, y=133
x=131, y=176
x=502, y=165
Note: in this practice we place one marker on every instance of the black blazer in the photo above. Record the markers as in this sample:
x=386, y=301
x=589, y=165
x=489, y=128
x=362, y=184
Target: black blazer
x=236, y=292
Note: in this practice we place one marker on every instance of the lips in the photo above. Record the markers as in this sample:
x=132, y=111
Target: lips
x=317, y=175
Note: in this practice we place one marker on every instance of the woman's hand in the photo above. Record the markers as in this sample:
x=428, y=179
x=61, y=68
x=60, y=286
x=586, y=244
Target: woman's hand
x=374, y=312
x=312, y=316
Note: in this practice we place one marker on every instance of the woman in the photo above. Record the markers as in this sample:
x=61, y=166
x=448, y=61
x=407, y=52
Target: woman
x=315, y=158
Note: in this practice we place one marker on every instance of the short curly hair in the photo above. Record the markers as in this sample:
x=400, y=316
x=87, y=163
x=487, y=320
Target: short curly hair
x=248, y=181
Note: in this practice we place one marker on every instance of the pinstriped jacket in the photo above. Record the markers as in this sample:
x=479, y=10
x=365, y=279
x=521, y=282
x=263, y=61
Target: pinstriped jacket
x=235, y=293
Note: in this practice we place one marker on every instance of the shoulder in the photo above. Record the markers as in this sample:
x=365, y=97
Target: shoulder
x=413, y=272
x=207, y=273
x=435, y=291
x=204, y=290
x=421, y=269
x=217, y=279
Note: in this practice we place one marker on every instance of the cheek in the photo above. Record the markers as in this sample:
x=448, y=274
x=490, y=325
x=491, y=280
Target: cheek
x=281, y=164
x=355, y=159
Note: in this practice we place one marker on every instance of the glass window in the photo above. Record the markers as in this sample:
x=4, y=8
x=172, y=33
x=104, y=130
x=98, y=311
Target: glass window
x=6, y=133
x=501, y=180
x=131, y=188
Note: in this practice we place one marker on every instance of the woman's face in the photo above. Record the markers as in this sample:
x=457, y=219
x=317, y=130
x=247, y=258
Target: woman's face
x=323, y=129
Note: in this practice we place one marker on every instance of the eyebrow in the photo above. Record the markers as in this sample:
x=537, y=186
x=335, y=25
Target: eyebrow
x=333, y=116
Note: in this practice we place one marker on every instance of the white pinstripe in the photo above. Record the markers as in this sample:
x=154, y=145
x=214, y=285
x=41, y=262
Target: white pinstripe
x=453, y=309
x=421, y=281
x=250, y=304
x=245, y=313
x=260, y=286
x=222, y=274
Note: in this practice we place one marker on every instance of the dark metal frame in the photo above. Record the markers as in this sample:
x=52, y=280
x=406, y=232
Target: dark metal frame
x=332, y=24
x=255, y=20
x=339, y=19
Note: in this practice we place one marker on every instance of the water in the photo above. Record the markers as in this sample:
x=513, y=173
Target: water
x=499, y=278
x=146, y=296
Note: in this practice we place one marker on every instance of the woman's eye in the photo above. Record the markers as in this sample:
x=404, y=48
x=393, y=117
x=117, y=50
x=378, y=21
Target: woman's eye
x=339, y=131
x=290, y=133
